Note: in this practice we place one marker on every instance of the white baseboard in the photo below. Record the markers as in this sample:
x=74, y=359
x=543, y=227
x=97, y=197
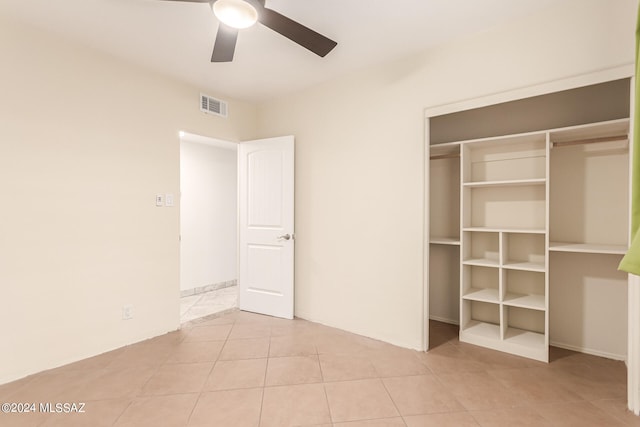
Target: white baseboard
x=592, y=352
x=207, y=288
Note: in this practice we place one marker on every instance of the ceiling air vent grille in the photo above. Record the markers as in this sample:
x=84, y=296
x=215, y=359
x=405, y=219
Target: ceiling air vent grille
x=212, y=105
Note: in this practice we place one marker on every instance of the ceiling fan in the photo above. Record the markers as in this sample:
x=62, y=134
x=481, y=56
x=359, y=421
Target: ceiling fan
x=235, y=15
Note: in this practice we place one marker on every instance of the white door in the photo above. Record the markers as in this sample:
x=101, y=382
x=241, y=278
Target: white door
x=266, y=245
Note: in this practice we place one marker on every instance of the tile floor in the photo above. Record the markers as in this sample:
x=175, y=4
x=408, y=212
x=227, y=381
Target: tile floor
x=207, y=303
x=243, y=369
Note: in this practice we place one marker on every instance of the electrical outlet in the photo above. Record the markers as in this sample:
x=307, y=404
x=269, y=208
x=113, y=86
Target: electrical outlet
x=127, y=312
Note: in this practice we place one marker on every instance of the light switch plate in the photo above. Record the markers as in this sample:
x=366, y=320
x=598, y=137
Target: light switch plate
x=159, y=200
x=127, y=312
x=168, y=199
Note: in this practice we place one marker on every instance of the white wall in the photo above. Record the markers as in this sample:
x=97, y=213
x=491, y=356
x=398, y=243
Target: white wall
x=86, y=141
x=359, y=156
x=208, y=215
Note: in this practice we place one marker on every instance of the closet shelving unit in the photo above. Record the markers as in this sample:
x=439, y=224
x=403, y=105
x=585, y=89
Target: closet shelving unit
x=519, y=205
x=504, y=281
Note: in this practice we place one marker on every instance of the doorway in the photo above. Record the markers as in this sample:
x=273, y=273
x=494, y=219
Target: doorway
x=208, y=226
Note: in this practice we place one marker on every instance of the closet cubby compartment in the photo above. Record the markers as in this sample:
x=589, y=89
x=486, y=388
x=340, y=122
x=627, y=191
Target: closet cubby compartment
x=481, y=284
x=505, y=208
x=524, y=289
x=524, y=251
x=480, y=321
x=524, y=332
x=481, y=248
x=510, y=160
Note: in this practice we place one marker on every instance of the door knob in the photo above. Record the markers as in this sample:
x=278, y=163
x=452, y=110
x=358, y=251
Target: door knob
x=284, y=237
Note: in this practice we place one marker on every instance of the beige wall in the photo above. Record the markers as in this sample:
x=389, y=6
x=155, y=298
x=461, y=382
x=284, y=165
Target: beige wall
x=359, y=167
x=86, y=141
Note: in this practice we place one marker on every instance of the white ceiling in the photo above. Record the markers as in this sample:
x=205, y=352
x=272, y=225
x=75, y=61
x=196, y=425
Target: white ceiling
x=176, y=38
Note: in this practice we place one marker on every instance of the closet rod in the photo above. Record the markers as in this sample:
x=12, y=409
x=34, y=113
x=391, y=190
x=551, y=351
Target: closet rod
x=445, y=156
x=592, y=140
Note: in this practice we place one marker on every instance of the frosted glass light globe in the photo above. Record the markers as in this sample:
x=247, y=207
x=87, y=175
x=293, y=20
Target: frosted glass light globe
x=235, y=13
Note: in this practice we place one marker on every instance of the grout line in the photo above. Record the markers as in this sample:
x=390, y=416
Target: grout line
x=321, y=370
x=195, y=403
x=391, y=398
x=122, y=413
x=210, y=372
x=264, y=383
x=326, y=398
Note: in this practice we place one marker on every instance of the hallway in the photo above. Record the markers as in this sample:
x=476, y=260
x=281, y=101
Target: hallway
x=194, y=307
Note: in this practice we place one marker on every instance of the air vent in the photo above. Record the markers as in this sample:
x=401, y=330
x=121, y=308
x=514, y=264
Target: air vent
x=212, y=105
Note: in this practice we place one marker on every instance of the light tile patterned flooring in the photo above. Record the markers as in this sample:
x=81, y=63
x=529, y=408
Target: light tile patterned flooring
x=243, y=369
x=207, y=303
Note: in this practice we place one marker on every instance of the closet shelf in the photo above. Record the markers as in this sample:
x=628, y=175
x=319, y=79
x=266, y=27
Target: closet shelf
x=505, y=230
x=533, y=302
x=525, y=266
x=506, y=183
x=588, y=248
x=453, y=241
x=529, y=339
x=482, y=330
x=482, y=295
x=482, y=262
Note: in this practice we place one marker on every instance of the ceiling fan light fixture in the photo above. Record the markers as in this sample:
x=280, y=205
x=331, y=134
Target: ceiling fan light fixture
x=235, y=13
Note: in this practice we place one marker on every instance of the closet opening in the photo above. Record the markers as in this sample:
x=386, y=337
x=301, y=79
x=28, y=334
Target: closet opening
x=527, y=217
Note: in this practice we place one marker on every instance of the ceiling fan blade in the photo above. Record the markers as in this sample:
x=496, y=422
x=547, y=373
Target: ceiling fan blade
x=225, y=45
x=305, y=37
